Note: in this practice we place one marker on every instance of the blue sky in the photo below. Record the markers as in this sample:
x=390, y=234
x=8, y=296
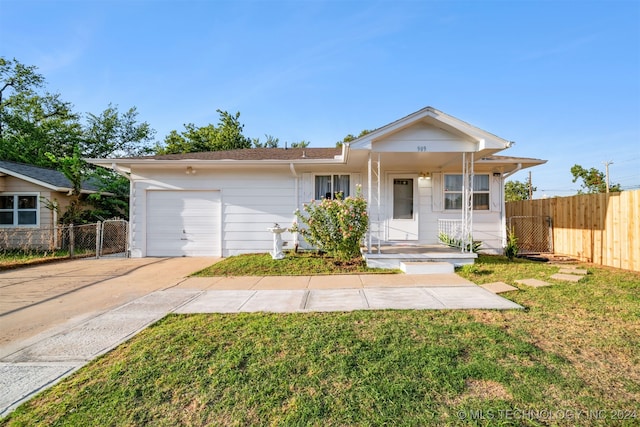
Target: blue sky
x=561, y=78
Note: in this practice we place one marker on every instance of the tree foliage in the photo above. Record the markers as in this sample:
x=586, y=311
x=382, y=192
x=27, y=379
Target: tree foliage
x=115, y=134
x=39, y=128
x=300, y=144
x=593, y=180
x=516, y=190
x=226, y=136
x=271, y=142
x=33, y=122
x=351, y=137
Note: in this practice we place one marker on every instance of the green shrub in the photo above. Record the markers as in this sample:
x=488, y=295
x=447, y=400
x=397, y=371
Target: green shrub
x=336, y=227
x=457, y=243
x=511, y=250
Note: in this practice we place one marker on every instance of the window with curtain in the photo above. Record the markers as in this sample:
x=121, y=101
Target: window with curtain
x=18, y=210
x=453, y=191
x=329, y=186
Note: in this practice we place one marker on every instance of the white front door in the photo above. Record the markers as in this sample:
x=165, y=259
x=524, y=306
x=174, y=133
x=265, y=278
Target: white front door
x=402, y=223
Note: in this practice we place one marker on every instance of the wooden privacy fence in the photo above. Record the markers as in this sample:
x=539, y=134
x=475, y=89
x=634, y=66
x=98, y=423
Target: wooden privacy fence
x=599, y=228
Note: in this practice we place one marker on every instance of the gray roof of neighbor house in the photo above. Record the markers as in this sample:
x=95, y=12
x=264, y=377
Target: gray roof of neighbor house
x=249, y=154
x=49, y=178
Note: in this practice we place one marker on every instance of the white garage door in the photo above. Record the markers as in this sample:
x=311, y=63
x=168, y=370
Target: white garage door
x=183, y=223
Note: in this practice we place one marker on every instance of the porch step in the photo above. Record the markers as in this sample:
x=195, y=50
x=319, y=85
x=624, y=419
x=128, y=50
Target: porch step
x=428, y=267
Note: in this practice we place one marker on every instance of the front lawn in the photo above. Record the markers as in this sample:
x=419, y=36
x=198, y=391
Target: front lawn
x=570, y=358
x=294, y=264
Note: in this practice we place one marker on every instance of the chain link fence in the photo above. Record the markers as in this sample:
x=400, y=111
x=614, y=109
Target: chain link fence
x=108, y=238
x=534, y=233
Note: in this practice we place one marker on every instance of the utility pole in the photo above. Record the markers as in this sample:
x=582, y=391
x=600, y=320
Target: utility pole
x=606, y=173
x=530, y=187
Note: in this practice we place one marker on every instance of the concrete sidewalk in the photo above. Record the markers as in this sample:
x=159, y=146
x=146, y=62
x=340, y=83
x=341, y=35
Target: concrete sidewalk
x=36, y=363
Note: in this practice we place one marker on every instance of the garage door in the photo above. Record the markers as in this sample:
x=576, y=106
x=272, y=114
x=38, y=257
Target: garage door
x=183, y=223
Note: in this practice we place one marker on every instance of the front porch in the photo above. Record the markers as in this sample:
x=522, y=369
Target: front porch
x=390, y=255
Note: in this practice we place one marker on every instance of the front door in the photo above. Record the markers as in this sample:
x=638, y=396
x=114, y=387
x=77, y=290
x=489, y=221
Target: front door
x=402, y=221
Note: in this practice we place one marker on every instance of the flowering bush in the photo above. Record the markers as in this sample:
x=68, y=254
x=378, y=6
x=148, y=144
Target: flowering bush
x=336, y=227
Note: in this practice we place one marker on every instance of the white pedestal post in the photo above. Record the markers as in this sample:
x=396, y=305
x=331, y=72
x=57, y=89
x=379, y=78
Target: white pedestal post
x=277, y=241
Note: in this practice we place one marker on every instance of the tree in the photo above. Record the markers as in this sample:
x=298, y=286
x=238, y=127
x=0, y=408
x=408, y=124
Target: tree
x=271, y=142
x=74, y=169
x=593, y=180
x=33, y=123
x=226, y=136
x=18, y=78
x=115, y=134
x=350, y=137
x=39, y=128
x=300, y=144
x=516, y=190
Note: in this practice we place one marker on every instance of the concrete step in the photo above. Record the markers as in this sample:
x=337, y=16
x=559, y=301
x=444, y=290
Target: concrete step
x=426, y=267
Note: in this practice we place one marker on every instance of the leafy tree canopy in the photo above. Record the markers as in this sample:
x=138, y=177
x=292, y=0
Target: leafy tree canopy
x=351, y=137
x=39, y=128
x=271, y=142
x=226, y=136
x=516, y=190
x=593, y=180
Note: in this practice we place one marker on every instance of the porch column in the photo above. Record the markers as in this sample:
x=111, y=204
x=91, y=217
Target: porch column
x=467, y=202
x=369, y=198
x=373, y=198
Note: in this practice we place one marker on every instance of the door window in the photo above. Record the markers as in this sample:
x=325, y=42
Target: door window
x=403, y=198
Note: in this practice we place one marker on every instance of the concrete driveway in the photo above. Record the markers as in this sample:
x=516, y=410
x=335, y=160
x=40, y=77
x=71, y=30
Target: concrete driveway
x=39, y=298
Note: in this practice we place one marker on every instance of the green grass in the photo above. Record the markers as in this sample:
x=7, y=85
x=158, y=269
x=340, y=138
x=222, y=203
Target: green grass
x=294, y=264
x=571, y=353
x=20, y=258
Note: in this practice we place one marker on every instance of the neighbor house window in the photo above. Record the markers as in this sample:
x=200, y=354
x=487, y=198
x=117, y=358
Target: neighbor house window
x=330, y=186
x=453, y=192
x=18, y=210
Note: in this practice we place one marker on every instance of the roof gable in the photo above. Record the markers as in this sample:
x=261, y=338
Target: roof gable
x=48, y=178
x=429, y=130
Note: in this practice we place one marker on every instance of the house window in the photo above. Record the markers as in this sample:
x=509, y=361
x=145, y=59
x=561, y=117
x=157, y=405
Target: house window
x=18, y=210
x=453, y=192
x=330, y=186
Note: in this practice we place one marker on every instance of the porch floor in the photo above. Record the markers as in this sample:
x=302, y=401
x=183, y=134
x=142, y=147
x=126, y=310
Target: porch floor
x=392, y=254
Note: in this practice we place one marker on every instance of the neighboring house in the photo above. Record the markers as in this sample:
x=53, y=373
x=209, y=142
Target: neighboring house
x=26, y=194
x=412, y=172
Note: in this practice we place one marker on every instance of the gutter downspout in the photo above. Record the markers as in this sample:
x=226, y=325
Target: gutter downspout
x=297, y=185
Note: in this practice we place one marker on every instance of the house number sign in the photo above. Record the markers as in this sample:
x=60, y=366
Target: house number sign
x=422, y=148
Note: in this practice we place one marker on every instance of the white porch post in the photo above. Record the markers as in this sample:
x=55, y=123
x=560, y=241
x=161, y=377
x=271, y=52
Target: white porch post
x=467, y=202
x=369, y=198
x=374, y=198
x=380, y=231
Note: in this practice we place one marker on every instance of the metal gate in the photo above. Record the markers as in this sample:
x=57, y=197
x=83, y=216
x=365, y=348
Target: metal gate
x=113, y=238
x=534, y=233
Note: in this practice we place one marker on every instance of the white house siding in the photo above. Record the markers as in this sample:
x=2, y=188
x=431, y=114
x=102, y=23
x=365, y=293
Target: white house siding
x=487, y=224
x=251, y=201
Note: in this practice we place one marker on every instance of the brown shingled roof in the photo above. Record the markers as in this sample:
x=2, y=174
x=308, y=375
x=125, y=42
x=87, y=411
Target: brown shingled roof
x=253, y=154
